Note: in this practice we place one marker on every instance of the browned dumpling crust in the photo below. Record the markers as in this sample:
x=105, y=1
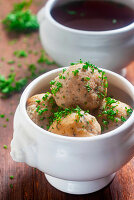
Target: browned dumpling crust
x=75, y=126
x=112, y=113
x=40, y=107
x=81, y=84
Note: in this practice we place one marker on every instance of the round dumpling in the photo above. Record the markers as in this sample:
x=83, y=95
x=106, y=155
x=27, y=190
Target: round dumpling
x=40, y=107
x=112, y=113
x=79, y=124
x=81, y=84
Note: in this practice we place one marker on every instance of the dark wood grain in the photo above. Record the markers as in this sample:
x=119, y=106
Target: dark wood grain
x=30, y=183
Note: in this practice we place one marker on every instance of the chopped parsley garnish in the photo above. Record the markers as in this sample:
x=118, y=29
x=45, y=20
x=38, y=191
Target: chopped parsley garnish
x=105, y=122
x=38, y=101
x=10, y=85
x=37, y=109
x=85, y=67
x=88, y=87
x=20, y=53
x=46, y=96
x=71, y=12
x=103, y=73
x=52, y=82
x=72, y=63
x=61, y=76
x=44, y=59
x=57, y=87
x=87, y=78
x=116, y=120
x=20, y=19
x=5, y=146
x=11, y=186
x=64, y=112
x=102, y=128
x=75, y=72
x=40, y=112
x=2, y=58
x=11, y=62
x=32, y=68
x=79, y=62
x=4, y=125
x=11, y=177
x=106, y=85
x=123, y=119
x=19, y=65
x=129, y=111
x=2, y=116
x=110, y=101
x=64, y=70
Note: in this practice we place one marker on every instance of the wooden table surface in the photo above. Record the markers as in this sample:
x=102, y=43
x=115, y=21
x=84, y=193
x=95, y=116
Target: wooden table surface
x=30, y=183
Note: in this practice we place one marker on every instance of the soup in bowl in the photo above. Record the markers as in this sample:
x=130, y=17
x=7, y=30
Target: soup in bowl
x=110, y=45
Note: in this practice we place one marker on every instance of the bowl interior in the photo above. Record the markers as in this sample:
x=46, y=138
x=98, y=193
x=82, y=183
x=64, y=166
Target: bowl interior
x=118, y=86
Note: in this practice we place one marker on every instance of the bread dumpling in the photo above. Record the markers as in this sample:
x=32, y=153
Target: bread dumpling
x=40, y=107
x=81, y=84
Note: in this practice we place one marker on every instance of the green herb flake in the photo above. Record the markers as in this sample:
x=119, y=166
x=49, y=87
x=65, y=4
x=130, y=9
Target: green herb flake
x=40, y=112
x=32, y=68
x=52, y=82
x=46, y=96
x=85, y=67
x=4, y=125
x=11, y=62
x=11, y=177
x=75, y=72
x=87, y=78
x=57, y=87
x=7, y=119
x=123, y=119
x=64, y=70
x=20, y=19
x=44, y=59
x=72, y=63
x=116, y=120
x=19, y=65
x=2, y=58
x=129, y=111
x=12, y=42
x=88, y=88
x=114, y=21
x=38, y=101
x=102, y=128
x=105, y=122
x=5, y=146
x=71, y=12
x=37, y=109
x=2, y=116
x=11, y=186
x=20, y=53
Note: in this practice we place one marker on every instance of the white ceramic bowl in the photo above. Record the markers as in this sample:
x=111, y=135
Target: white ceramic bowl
x=112, y=49
x=74, y=165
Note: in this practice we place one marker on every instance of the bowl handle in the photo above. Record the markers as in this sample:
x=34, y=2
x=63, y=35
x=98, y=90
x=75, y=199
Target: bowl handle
x=41, y=15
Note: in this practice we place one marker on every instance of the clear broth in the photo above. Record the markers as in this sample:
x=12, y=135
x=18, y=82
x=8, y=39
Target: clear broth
x=91, y=15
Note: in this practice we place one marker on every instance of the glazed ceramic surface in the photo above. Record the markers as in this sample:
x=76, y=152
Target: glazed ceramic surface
x=68, y=158
x=111, y=49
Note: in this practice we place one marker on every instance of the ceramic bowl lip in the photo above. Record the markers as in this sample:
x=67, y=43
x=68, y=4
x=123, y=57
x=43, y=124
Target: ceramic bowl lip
x=48, y=7
x=120, y=129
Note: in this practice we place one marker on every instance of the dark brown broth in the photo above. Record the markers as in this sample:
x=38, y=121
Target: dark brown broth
x=91, y=15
